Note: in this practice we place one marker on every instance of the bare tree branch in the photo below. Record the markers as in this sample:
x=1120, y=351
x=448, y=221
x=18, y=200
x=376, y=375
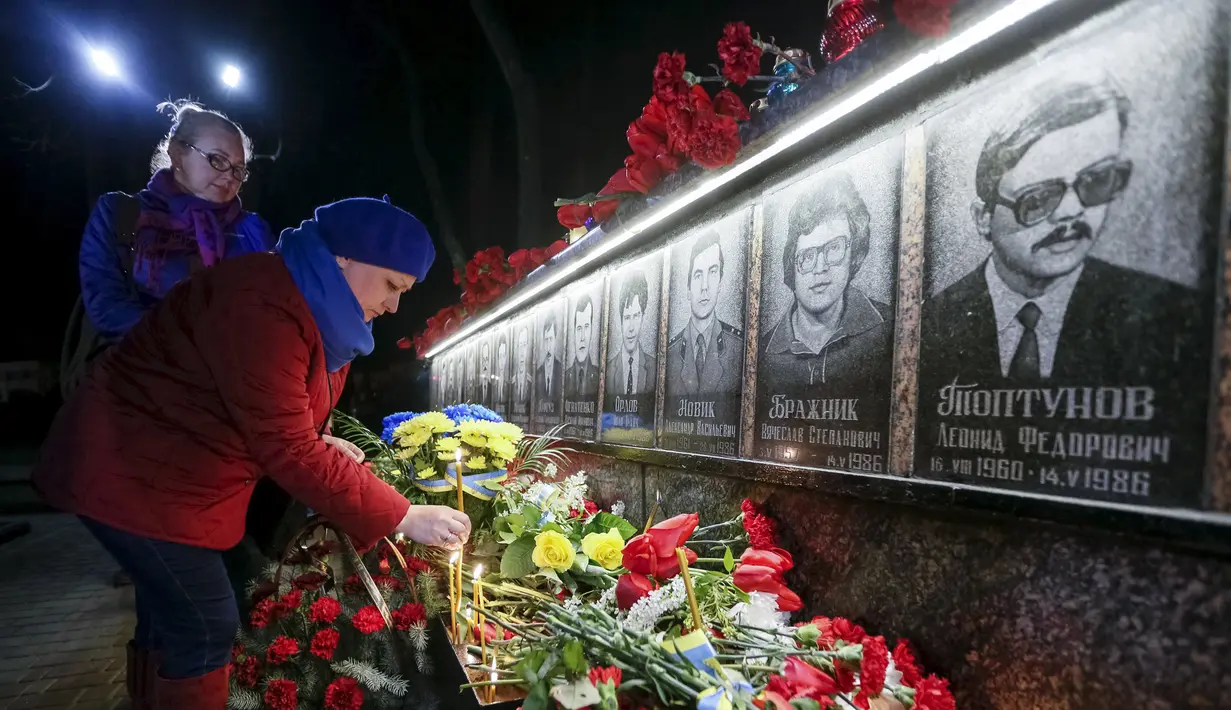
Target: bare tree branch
x=274, y=157
x=32, y=89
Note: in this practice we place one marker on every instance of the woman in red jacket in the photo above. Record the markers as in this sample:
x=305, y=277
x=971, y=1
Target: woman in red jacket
x=231, y=378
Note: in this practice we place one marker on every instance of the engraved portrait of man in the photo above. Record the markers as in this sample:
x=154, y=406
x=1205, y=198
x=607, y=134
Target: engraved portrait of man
x=581, y=376
x=485, y=372
x=707, y=354
x=502, y=369
x=631, y=370
x=521, y=369
x=547, y=376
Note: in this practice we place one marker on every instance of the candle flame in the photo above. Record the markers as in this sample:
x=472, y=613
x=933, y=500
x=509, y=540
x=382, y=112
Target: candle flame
x=453, y=559
x=478, y=571
x=457, y=455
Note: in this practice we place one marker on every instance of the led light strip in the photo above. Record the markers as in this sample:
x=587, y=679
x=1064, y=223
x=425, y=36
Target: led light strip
x=977, y=33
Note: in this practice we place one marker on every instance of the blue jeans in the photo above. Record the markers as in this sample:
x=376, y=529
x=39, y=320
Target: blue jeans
x=186, y=609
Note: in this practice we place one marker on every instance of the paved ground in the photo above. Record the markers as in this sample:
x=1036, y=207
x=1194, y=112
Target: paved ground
x=62, y=625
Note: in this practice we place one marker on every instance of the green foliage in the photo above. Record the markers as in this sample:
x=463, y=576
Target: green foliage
x=518, y=558
x=242, y=698
x=604, y=521
x=536, y=453
x=371, y=678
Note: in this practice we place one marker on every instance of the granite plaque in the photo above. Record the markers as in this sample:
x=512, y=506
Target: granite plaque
x=705, y=353
x=585, y=317
x=549, y=368
x=500, y=391
x=824, y=367
x=522, y=378
x=631, y=394
x=1071, y=226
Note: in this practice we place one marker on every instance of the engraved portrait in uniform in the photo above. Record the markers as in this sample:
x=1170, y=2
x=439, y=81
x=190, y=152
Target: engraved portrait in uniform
x=1066, y=332
x=521, y=379
x=500, y=389
x=825, y=358
x=549, y=368
x=484, y=385
x=705, y=352
x=634, y=295
x=585, y=316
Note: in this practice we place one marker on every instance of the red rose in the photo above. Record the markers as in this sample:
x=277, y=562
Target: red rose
x=755, y=578
x=739, y=53
x=409, y=614
x=761, y=529
x=929, y=18
x=714, y=140
x=343, y=693
x=873, y=666
x=904, y=661
x=848, y=631
x=571, y=216
x=262, y=613
x=932, y=693
x=809, y=680
x=604, y=209
x=617, y=183
x=324, y=610
x=368, y=620
x=281, y=649
x=247, y=672
x=281, y=695
x=631, y=587
x=669, y=84
x=776, y=559
x=324, y=643
x=610, y=674
x=726, y=103
x=591, y=506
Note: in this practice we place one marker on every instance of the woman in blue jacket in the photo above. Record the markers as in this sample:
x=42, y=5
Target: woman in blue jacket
x=188, y=217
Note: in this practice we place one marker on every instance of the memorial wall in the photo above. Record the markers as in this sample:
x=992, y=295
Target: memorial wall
x=964, y=342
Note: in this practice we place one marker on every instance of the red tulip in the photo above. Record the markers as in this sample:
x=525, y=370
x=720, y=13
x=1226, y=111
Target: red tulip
x=809, y=680
x=776, y=559
x=672, y=533
x=604, y=209
x=756, y=578
x=630, y=588
x=570, y=216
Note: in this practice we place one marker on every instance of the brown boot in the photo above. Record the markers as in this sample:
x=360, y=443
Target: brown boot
x=206, y=692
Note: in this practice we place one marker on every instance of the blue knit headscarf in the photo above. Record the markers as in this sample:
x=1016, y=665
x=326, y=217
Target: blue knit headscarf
x=365, y=230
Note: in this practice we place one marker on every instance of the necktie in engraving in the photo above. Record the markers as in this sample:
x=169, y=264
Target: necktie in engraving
x=1025, y=364
x=628, y=383
x=700, y=355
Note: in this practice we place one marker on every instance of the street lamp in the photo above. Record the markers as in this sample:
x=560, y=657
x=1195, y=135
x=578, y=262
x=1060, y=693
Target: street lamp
x=105, y=63
x=231, y=76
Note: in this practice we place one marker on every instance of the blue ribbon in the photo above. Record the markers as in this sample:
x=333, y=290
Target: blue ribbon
x=696, y=649
x=483, y=486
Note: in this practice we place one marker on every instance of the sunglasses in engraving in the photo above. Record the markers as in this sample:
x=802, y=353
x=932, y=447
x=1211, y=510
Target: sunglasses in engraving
x=1095, y=185
x=219, y=162
x=831, y=253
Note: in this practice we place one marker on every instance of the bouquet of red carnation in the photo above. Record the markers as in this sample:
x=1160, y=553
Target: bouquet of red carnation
x=314, y=641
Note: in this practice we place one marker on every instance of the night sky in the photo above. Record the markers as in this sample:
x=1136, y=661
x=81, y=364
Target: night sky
x=338, y=85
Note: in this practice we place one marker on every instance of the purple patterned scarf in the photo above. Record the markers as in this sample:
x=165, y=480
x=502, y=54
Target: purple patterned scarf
x=174, y=223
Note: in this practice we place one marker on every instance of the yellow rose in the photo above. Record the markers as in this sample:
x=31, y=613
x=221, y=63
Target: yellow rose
x=551, y=549
x=607, y=548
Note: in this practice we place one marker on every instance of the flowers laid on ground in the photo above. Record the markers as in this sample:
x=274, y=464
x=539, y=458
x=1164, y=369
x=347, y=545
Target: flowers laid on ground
x=315, y=641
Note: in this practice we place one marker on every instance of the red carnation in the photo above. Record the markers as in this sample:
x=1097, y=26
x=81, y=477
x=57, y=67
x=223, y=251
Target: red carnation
x=904, y=661
x=281, y=695
x=726, y=103
x=343, y=694
x=324, y=610
x=262, y=613
x=740, y=54
x=762, y=530
x=642, y=173
x=929, y=18
x=247, y=672
x=368, y=620
x=289, y=602
x=848, y=631
x=352, y=585
x=809, y=680
x=591, y=506
x=409, y=615
x=310, y=581
x=932, y=693
x=324, y=643
x=670, y=86
x=873, y=666
x=714, y=140
x=281, y=649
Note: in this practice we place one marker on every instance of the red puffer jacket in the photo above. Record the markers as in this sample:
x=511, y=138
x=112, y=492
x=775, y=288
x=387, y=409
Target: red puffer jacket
x=222, y=383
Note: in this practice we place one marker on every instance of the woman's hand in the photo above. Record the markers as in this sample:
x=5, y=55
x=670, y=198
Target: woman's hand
x=435, y=525
x=345, y=447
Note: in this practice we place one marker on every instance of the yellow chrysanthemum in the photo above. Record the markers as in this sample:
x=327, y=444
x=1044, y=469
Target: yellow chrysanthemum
x=425, y=471
x=607, y=549
x=435, y=422
x=447, y=445
x=476, y=463
x=553, y=550
x=501, y=449
x=412, y=438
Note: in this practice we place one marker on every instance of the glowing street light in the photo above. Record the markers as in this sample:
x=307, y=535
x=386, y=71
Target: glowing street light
x=105, y=63
x=230, y=76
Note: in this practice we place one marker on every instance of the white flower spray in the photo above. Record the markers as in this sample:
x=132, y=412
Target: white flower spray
x=649, y=609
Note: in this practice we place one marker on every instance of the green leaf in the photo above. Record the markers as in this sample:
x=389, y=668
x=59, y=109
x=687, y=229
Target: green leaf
x=516, y=523
x=805, y=704
x=728, y=560
x=530, y=514
x=554, y=527
x=508, y=537
x=574, y=657
x=518, y=561
x=567, y=580
x=604, y=521
x=579, y=563
x=538, y=698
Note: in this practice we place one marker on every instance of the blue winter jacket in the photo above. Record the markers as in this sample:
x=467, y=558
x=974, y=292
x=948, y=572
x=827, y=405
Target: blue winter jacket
x=112, y=301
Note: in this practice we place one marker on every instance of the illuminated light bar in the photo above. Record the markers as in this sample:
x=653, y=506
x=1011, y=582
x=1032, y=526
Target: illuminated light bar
x=984, y=29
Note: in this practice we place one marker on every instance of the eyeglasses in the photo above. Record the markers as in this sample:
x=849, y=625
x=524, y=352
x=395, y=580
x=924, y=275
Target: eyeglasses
x=831, y=253
x=219, y=162
x=1095, y=185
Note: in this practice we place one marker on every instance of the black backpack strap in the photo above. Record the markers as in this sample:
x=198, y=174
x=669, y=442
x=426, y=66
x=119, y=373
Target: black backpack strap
x=124, y=224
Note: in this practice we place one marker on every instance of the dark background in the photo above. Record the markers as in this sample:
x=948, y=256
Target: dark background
x=343, y=89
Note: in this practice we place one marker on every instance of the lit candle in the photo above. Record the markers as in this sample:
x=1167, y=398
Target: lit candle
x=491, y=689
x=692, y=596
x=478, y=605
x=453, y=593
x=461, y=505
